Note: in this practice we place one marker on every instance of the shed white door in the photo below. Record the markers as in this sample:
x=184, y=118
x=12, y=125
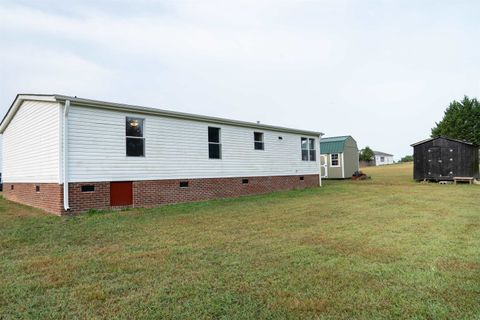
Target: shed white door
x=323, y=166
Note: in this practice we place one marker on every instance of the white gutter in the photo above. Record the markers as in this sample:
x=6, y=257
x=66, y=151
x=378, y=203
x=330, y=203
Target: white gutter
x=66, y=205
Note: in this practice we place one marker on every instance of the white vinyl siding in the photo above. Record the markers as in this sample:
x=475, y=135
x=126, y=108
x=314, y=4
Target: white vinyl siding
x=174, y=149
x=31, y=143
x=386, y=160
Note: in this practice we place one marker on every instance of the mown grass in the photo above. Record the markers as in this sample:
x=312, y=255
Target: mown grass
x=384, y=248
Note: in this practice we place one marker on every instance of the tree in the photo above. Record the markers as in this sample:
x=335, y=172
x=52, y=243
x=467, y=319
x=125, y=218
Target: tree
x=366, y=154
x=460, y=121
x=407, y=159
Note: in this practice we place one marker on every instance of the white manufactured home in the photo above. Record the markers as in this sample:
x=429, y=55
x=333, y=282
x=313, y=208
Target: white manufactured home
x=382, y=158
x=67, y=154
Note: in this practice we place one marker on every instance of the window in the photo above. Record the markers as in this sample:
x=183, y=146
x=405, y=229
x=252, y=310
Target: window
x=304, y=142
x=244, y=181
x=302, y=178
x=37, y=188
x=214, y=145
x=382, y=159
x=88, y=188
x=183, y=184
x=334, y=160
x=11, y=187
x=311, y=147
x=308, y=149
x=135, y=139
x=258, y=140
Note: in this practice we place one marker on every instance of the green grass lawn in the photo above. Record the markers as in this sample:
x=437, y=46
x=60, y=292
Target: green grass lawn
x=384, y=248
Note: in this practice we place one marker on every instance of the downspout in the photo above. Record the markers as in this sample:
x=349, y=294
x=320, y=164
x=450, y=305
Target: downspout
x=319, y=161
x=66, y=205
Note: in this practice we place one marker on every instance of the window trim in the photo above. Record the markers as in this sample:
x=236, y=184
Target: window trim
x=259, y=141
x=338, y=160
x=132, y=137
x=219, y=143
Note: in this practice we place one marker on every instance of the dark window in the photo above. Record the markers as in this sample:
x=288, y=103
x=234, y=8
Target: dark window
x=37, y=188
x=302, y=178
x=135, y=147
x=280, y=138
x=308, y=149
x=304, y=143
x=311, y=147
x=334, y=160
x=135, y=140
x=183, y=184
x=244, y=181
x=11, y=187
x=258, y=141
x=214, y=145
x=88, y=188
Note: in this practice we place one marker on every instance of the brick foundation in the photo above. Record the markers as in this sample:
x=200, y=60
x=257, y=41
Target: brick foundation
x=49, y=196
x=83, y=201
x=151, y=193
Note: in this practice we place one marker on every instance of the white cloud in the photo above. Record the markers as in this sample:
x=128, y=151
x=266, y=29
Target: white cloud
x=32, y=69
x=185, y=39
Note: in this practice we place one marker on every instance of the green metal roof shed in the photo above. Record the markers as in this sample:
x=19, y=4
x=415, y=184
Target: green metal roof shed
x=333, y=144
x=339, y=157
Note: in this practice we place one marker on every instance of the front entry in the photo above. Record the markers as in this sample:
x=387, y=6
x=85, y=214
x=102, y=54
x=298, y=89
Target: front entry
x=323, y=166
x=121, y=193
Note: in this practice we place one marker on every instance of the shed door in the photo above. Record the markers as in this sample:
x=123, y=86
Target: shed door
x=323, y=166
x=121, y=193
x=434, y=162
x=448, y=160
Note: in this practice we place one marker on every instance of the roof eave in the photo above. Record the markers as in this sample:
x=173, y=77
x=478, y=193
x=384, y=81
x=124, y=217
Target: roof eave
x=177, y=115
x=442, y=137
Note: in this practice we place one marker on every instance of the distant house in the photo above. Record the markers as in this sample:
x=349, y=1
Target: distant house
x=382, y=158
x=67, y=154
x=339, y=157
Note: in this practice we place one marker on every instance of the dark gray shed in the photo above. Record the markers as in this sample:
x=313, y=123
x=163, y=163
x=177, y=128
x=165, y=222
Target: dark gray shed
x=443, y=158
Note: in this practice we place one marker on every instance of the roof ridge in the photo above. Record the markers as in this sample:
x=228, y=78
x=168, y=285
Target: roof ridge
x=443, y=137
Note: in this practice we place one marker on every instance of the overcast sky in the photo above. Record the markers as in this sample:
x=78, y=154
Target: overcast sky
x=381, y=71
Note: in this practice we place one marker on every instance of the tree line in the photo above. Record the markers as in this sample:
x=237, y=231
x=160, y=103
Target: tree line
x=461, y=120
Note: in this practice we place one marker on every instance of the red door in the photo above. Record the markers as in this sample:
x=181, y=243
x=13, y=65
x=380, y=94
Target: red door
x=121, y=193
